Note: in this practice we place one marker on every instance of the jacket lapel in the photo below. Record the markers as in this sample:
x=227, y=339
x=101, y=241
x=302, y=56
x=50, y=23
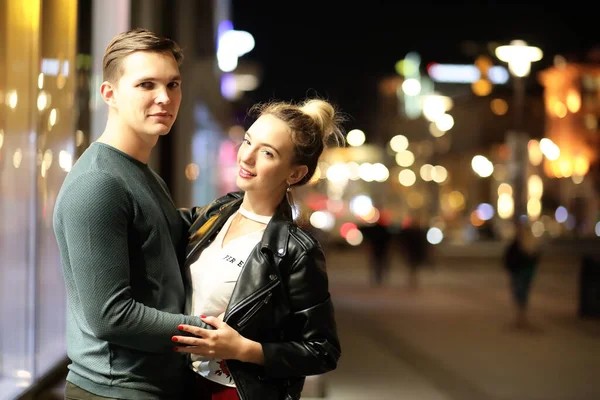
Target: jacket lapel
x=208, y=229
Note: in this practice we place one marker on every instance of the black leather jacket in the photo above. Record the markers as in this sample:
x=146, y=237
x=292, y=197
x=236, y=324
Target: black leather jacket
x=281, y=300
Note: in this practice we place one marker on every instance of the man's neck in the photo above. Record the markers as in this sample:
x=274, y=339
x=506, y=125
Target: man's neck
x=129, y=142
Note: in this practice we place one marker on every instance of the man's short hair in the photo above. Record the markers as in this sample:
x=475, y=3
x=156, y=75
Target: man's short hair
x=131, y=41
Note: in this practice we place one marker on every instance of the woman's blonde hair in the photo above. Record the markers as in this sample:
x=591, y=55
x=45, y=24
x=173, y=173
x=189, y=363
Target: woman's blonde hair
x=314, y=125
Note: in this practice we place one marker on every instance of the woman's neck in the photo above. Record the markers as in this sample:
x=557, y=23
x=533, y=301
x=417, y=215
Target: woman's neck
x=260, y=205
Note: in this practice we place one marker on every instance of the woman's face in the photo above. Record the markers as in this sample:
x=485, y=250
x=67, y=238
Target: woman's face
x=265, y=158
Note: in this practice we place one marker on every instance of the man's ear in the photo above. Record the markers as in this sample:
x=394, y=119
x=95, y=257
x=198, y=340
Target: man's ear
x=108, y=93
x=297, y=174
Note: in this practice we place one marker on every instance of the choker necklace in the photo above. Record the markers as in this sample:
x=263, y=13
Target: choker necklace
x=263, y=219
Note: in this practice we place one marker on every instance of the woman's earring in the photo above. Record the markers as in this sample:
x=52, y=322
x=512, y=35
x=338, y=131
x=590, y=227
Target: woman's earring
x=288, y=195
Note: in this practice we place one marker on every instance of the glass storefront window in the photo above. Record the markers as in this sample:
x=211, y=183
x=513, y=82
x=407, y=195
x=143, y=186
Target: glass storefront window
x=19, y=25
x=55, y=155
x=37, y=136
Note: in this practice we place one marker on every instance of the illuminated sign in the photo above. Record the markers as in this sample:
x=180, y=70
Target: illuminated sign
x=465, y=73
x=54, y=67
x=231, y=45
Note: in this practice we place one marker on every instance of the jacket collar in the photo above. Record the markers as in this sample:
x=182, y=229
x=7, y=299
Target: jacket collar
x=277, y=232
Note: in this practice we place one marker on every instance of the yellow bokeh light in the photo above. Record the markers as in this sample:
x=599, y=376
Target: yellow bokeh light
x=405, y=158
x=535, y=153
x=534, y=208
x=482, y=87
x=483, y=63
x=535, y=186
x=316, y=176
x=399, y=143
x=505, y=188
x=355, y=137
x=456, y=200
x=192, y=171
x=559, y=109
x=499, y=106
x=573, y=101
x=407, y=177
x=581, y=166
x=506, y=206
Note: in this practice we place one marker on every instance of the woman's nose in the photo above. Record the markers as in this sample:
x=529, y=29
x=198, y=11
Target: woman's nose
x=246, y=155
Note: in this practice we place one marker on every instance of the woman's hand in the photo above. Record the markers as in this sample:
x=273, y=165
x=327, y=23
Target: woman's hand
x=222, y=343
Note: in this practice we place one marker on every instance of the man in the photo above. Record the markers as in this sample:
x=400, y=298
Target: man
x=121, y=238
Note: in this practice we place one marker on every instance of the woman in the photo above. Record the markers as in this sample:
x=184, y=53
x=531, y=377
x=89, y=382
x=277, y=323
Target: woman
x=258, y=278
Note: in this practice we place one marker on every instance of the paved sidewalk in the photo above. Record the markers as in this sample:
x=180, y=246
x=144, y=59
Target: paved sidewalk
x=452, y=338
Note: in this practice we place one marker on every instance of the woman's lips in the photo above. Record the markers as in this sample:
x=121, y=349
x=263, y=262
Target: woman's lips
x=245, y=173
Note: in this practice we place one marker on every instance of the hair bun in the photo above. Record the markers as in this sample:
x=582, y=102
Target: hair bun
x=326, y=118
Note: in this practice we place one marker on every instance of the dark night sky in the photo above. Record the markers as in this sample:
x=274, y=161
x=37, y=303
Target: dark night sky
x=339, y=51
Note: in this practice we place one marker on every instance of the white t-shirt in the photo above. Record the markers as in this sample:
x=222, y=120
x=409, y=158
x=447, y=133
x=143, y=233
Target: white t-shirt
x=214, y=276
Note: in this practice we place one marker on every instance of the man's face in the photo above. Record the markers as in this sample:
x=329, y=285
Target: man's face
x=147, y=95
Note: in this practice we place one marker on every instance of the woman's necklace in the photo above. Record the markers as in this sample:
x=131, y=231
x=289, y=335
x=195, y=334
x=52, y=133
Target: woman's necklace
x=263, y=219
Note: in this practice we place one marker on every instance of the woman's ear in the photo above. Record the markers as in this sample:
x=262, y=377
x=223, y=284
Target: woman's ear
x=298, y=173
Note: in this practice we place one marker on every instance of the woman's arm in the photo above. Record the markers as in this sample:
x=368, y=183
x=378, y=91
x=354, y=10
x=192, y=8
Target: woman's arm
x=315, y=349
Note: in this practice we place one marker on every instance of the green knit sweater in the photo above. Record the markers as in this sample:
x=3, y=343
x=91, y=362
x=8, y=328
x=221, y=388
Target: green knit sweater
x=121, y=241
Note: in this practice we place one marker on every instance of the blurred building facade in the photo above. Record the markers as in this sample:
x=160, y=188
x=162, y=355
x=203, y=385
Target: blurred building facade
x=572, y=103
x=475, y=148
x=444, y=153
x=50, y=110
x=444, y=128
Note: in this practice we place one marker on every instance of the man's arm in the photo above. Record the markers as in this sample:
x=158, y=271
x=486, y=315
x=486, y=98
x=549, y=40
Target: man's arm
x=95, y=222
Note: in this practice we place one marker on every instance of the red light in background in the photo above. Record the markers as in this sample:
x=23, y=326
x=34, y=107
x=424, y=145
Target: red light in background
x=316, y=202
x=385, y=218
x=347, y=227
x=407, y=222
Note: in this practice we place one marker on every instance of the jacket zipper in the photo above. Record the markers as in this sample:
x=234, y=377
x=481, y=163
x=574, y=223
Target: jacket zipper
x=254, y=310
x=250, y=299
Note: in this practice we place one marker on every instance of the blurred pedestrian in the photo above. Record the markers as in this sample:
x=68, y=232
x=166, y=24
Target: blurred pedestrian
x=378, y=238
x=415, y=249
x=521, y=258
